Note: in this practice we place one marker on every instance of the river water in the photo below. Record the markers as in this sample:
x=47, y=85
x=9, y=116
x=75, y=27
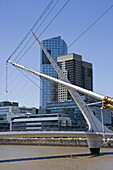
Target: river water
x=18, y=157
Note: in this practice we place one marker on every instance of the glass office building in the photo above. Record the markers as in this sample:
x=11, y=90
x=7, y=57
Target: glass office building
x=71, y=110
x=56, y=47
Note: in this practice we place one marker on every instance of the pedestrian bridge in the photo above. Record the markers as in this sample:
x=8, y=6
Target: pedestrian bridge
x=81, y=134
x=96, y=129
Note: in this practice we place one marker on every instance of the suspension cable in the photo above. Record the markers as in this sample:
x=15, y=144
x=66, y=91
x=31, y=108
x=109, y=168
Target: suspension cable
x=90, y=26
x=31, y=29
x=45, y=28
x=36, y=31
x=32, y=80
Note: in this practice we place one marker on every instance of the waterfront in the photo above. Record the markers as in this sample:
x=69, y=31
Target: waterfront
x=53, y=157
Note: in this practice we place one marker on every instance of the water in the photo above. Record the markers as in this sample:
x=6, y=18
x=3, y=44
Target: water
x=73, y=158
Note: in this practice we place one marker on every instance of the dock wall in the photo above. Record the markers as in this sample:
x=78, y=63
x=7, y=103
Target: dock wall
x=50, y=142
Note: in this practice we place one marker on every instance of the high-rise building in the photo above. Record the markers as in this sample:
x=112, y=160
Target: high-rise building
x=77, y=71
x=56, y=47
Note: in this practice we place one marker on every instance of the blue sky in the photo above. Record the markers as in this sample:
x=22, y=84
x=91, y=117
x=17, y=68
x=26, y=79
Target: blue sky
x=96, y=46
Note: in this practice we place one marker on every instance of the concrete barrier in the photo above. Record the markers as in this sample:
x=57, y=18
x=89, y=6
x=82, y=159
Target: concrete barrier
x=50, y=141
x=46, y=141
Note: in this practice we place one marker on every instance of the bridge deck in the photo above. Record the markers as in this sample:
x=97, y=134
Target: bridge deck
x=50, y=134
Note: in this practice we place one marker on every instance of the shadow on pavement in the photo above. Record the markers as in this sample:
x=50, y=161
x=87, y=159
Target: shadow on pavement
x=55, y=157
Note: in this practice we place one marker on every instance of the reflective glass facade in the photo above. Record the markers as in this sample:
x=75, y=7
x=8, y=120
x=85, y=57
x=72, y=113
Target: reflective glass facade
x=55, y=46
x=71, y=110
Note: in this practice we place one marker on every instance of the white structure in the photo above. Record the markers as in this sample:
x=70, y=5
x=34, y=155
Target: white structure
x=96, y=128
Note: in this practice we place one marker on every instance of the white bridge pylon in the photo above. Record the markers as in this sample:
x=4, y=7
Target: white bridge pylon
x=94, y=136
x=94, y=124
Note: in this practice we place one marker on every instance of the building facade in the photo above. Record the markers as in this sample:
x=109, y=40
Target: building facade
x=71, y=110
x=8, y=110
x=40, y=122
x=56, y=47
x=78, y=72
x=65, y=116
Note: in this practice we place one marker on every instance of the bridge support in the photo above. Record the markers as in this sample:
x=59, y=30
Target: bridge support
x=94, y=143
